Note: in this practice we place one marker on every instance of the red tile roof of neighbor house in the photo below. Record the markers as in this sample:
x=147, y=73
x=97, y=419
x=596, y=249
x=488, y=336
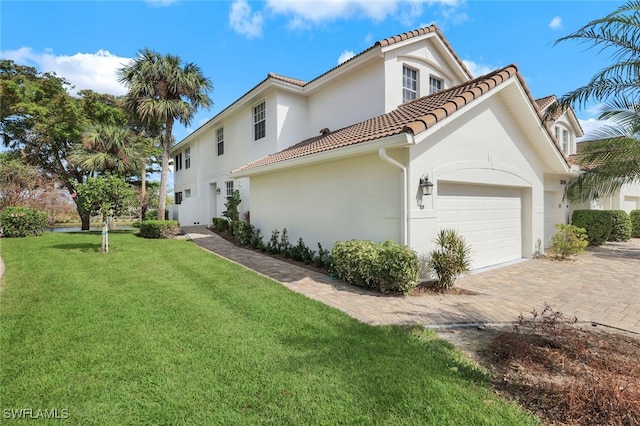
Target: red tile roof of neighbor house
x=412, y=117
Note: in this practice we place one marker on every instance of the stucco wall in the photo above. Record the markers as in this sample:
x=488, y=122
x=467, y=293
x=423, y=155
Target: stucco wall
x=346, y=199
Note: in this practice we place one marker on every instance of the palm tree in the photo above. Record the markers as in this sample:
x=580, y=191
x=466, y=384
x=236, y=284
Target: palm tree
x=109, y=149
x=162, y=88
x=613, y=159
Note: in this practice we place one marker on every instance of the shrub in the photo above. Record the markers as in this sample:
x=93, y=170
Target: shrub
x=256, y=240
x=301, y=252
x=620, y=225
x=634, y=216
x=23, y=222
x=323, y=259
x=159, y=228
x=384, y=267
x=272, y=246
x=399, y=268
x=220, y=224
x=242, y=232
x=450, y=259
x=597, y=223
x=568, y=241
x=232, y=204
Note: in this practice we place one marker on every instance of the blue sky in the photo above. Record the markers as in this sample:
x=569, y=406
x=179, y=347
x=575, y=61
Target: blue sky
x=237, y=43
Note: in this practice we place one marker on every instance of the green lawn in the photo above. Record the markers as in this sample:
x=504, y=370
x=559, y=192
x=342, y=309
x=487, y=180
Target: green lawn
x=161, y=332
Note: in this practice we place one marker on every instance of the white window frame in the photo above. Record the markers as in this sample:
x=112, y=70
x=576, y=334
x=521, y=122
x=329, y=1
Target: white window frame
x=187, y=193
x=435, y=84
x=409, y=84
x=259, y=121
x=178, y=162
x=229, y=188
x=187, y=158
x=220, y=141
x=565, y=141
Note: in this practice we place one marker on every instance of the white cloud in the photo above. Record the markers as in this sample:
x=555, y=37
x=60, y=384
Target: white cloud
x=478, y=69
x=345, y=56
x=244, y=21
x=95, y=71
x=556, y=23
x=593, y=128
x=304, y=14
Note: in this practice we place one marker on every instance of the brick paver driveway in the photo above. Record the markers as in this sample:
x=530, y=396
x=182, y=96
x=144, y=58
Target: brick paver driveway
x=602, y=286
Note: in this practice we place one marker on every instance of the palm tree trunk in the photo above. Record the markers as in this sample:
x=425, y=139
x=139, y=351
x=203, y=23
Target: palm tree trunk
x=166, y=146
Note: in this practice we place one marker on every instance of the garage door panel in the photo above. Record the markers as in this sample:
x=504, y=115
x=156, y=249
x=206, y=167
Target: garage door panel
x=489, y=218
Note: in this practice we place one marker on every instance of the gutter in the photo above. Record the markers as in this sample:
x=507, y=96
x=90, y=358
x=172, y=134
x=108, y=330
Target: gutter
x=382, y=153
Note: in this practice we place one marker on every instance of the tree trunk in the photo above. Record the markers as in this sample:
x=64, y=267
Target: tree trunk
x=166, y=146
x=143, y=193
x=85, y=218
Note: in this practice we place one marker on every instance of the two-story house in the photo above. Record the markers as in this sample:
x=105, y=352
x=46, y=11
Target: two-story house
x=394, y=144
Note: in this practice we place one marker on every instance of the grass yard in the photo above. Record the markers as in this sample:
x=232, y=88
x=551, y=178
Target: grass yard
x=161, y=332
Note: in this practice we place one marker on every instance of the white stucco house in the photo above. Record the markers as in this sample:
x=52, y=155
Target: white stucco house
x=343, y=156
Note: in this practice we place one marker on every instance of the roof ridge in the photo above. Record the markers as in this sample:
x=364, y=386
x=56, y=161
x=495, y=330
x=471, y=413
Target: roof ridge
x=286, y=79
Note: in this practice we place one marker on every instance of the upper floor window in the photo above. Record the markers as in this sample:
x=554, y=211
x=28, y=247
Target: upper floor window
x=409, y=84
x=178, y=162
x=565, y=141
x=229, y=187
x=556, y=131
x=187, y=193
x=178, y=197
x=187, y=158
x=259, y=121
x=435, y=85
x=220, y=140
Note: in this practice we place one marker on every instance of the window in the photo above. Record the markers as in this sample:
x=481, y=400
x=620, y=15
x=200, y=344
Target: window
x=259, y=128
x=178, y=162
x=409, y=84
x=220, y=140
x=187, y=158
x=178, y=199
x=556, y=130
x=435, y=85
x=229, y=185
x=187, y=193
x=565, y=141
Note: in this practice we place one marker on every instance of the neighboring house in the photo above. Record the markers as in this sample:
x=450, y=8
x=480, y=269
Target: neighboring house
x=626, y=198
x=344, y=155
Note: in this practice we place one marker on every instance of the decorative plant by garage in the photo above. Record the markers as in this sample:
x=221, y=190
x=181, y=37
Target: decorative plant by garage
x=107, y=195
x=450, y=259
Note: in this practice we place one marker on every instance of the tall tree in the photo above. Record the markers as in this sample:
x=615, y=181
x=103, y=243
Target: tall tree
x=613, y=159
x=162, y=88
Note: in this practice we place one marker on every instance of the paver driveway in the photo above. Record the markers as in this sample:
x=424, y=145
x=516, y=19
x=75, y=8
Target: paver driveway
x=602, y=286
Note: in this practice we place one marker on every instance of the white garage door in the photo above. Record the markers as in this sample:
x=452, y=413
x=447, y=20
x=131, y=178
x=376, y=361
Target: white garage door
x=489, y=218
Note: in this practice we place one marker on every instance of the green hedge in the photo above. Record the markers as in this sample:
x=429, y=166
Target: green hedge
x=597, y=223
x=634, y=216
x=17, y=222
x=386, y=267
x=159, y=228
x=620, y=225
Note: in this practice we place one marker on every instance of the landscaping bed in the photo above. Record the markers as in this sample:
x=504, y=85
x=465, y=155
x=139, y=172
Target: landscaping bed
x=563, y=372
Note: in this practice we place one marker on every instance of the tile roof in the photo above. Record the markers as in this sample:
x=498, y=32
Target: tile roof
x=412, y=117
x=544, y=103
x=286, y=79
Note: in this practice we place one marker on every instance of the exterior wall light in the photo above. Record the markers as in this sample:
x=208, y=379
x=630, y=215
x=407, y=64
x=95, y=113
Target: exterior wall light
x=218, y=191
x=425, y=185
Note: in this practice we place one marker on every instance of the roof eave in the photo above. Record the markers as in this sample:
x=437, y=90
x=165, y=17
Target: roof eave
x=398, y=140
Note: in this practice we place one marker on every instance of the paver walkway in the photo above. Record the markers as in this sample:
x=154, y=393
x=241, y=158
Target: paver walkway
x=602, y=286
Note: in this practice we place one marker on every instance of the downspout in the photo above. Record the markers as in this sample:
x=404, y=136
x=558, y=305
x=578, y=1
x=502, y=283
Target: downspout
x=404, y=224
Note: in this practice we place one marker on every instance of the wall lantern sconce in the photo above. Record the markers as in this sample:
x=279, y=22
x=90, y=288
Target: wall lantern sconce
x=426, y=187
x=217, y=191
